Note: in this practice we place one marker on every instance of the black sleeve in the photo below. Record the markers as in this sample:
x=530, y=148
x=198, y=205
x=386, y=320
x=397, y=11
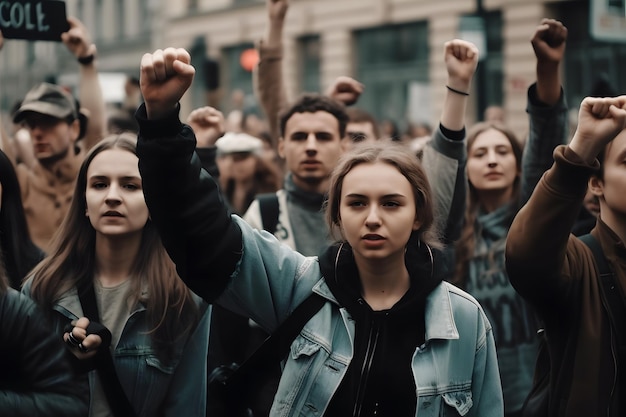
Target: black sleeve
x=186, y=206
x=36, y=378
x=456, y=216
x=207, y=159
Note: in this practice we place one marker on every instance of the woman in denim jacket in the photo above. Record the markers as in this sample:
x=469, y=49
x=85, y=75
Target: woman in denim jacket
x=107, y=245
x=392, y=339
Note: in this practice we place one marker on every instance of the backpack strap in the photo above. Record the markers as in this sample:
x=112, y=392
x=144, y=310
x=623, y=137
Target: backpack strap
x=612, y=294
x=269, y=207
x=538, y=401
x=598, y=254
x=611, y=290
x=115, y=395
x=249, y=376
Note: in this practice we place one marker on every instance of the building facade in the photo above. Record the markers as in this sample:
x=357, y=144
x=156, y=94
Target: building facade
x=123, y=30
x=393, y=46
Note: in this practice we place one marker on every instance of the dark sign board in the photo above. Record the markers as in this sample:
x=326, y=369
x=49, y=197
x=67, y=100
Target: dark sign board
x=42, y=20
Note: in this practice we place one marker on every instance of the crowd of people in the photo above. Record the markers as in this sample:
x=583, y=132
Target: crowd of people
x=149, y=258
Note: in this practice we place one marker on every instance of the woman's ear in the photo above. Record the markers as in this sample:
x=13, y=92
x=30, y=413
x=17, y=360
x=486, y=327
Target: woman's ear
x=417, y=224
x=596, y=186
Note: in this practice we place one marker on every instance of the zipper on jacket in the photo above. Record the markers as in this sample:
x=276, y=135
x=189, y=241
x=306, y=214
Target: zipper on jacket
x=372, y=343
x=608, y=408
x=613, y=356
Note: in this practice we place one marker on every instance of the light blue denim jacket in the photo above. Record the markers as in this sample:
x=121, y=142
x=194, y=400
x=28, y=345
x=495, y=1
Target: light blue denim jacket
x=154, y=388
x=455, y=371
x=251, y=272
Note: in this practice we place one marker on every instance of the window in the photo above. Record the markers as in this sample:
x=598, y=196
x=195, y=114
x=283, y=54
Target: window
x=236, y=77
x=393, y=62
x=121, y=19
x=309, y=63
x=591, y=67
x=198, y=55
x=80, y=10
x=489, y=74
x=98, y=20
x=245, y=2
x=146, y=10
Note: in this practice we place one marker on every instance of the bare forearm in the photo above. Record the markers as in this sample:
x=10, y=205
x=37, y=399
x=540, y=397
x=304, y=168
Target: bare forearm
x=92, y=99
x=548, y=83
x=455, y=105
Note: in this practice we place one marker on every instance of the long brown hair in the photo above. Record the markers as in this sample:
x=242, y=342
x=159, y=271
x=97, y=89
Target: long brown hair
x=171, y=310
x=464, y=247
x=400, y=157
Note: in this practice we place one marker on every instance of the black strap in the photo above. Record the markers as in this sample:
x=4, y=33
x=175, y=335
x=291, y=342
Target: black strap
x=613, y=296
x=610, y=288
x=598, y=254
x=246, y=378
x=116, y=397
x=268, y=204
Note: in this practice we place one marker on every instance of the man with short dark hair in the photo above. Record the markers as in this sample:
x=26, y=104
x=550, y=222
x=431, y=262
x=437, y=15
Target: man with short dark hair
x=312, y=140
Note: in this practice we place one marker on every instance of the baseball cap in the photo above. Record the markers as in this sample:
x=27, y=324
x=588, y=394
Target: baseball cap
x=48, y=99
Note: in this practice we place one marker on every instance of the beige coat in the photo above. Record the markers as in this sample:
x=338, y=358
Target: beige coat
x=46, y=196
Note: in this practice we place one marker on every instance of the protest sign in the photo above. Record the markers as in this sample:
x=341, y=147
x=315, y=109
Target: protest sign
x=33, y=20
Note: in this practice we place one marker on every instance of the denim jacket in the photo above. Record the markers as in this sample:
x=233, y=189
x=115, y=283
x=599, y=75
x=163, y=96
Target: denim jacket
x=154, y=388
x=250, y=272
x=455, y=371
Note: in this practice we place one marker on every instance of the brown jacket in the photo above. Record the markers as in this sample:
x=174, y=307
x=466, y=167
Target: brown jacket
x=556, y=272
x=46, y=196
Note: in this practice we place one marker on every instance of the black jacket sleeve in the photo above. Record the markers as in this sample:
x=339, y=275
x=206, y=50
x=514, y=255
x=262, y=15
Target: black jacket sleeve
x=186, y=206
x=207, y=159
x=36, y=378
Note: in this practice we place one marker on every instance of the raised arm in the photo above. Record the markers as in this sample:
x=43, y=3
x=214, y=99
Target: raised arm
x=345, y=89
x=184, y=201
x=78, y=42
x=461, y=59
x=547, y=109
x=548, y=42
x=209, y=125
x=445, y=155
x=600, y=120
x=205, y=242
x=268, y=75
x=541, y=257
